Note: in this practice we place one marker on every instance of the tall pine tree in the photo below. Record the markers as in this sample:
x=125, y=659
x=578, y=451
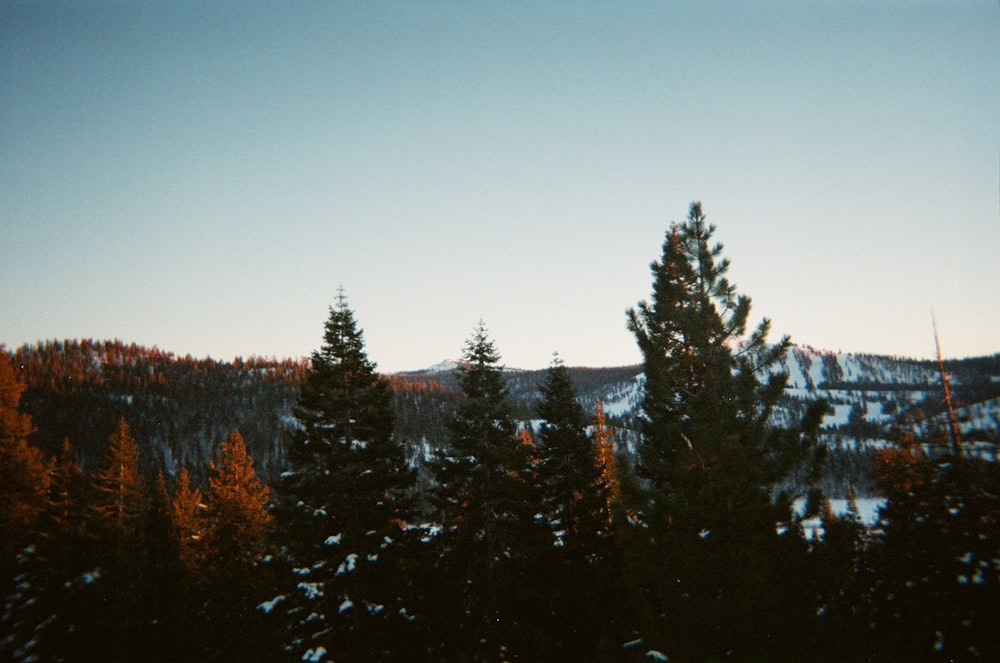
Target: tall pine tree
x=710, y=570
x=119, y=500
x=489, y=532
x=579, y=565
x=115, y=626
x=345, y=502
x=23, y=467
x=236, y=537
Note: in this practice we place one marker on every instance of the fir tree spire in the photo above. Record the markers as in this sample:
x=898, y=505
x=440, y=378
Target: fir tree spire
x=119, y=499
x=345, y=499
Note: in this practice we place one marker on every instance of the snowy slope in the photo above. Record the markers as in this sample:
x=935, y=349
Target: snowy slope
x=880, y=390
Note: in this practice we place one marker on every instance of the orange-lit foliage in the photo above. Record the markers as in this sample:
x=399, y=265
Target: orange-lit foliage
x=24, y=470
x=604, y=456
x=238, y=521
x=902, y=469
x=189, y=521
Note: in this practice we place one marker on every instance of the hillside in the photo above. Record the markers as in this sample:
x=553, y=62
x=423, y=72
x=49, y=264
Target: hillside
x=181, y=408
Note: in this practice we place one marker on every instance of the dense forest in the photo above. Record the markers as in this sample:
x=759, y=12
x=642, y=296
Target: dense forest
x=148, y=512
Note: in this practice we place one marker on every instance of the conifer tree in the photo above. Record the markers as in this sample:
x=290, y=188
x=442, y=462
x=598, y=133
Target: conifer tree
x=236, y=537
x=489, y=533
x=345, y=501
x=165, y=606
x=711, y=571
x=578, y=566
x=64, y=507
x=189, y=522
x=935, y=576
x=238, y=520
x=42, y=615
x=119, y=500
x=23, y=468
x=840, y=567
x=114, y=626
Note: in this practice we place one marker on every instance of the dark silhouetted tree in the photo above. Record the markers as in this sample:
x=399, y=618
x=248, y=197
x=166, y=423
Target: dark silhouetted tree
x=115, y=626
x=935, y=571
x=579, y=565
x=346, y=497
x=41, y=615
x=711, y=572
x=490, y=536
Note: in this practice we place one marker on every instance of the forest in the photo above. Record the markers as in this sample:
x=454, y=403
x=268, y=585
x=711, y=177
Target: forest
x=508, y=542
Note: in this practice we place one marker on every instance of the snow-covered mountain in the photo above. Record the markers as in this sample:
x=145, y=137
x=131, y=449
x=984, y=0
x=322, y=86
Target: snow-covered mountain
x=867, y=394
x=859, y=388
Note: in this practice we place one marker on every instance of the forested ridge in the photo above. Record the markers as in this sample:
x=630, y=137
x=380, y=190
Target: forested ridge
x=180, y=407
x=157, y=507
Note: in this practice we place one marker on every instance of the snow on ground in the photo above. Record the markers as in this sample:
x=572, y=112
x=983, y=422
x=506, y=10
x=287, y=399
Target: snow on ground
x=868, y=510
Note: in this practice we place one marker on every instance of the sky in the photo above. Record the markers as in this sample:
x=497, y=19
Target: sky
x=203, y=177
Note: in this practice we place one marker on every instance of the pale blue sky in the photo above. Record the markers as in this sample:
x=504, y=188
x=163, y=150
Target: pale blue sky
x=203, y=176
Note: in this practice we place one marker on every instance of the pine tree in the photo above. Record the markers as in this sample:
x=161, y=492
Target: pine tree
x=189, y=522
x=24, y=470
x=42, y=615
x=578, y=566
x=119, y=500
x=345, y=502
x=64, y=508
x=114, y=626
x=238, y=520
x=934, y=577
x=485, y=484
x=712, y=573
x=236, y=537
x=840, y=568
x=165, y=606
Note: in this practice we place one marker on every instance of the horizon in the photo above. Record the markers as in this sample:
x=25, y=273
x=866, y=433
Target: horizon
x=431, y=368
x=202, y=179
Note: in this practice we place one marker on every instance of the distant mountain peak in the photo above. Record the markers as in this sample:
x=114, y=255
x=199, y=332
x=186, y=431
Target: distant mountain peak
x=445, y=366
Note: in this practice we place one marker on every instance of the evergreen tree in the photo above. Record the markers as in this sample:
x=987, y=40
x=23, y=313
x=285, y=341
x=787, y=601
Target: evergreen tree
x=41, y=616
x=164, y=606
x=935, y=576
x=238, y=520
x=840, y=565
x=119, y=499
x=23, y=468
x=236, y=536
x=578, y=567
x=712, y=573
x=489, y=533
x=63, y=519
x=345, y=502
x=189, y=522
x=114, y=626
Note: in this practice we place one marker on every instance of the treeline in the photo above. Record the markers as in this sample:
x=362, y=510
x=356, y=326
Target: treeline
x=511, y=543
x=179, y=407
x=111, y=566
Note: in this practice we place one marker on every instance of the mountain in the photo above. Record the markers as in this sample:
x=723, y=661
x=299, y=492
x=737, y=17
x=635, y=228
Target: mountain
x=180, y=408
